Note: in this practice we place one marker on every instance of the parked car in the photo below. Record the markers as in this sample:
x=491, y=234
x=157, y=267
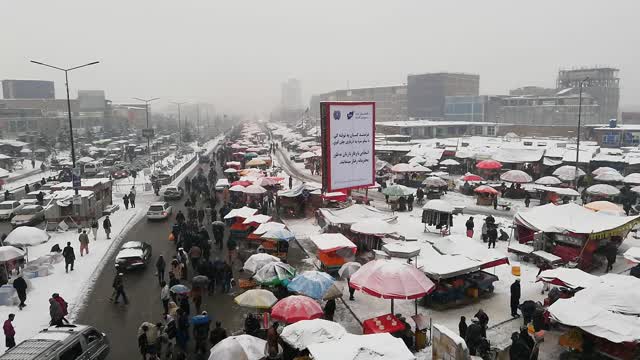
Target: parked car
x=61, y=343
x=28, y=215
x=173, y=193
x=159, y=211
x=203, y=159
x=120, y=174
x=133, y=254
x=8, y=209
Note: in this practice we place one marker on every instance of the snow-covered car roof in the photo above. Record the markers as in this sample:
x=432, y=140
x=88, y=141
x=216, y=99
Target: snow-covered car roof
x=127, y=253
x=133, y=245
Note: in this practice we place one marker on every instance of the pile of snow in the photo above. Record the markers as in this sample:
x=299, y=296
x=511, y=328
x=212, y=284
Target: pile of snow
x=27, y=236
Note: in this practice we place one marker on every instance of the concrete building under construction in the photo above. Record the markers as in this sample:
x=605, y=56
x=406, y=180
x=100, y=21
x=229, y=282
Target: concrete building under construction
x=603, y=85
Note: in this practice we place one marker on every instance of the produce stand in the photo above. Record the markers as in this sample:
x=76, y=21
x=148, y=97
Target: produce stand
x=461, y=290
x=333, y=251
x=387, y=323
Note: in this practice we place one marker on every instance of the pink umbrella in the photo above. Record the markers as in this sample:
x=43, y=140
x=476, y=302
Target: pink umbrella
x=471, y=177
x=295, y=308
x=486, y=189
x=389, y=279
x=489, y=165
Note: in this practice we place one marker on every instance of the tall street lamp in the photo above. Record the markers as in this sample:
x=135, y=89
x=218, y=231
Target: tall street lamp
x=179, y=127
x=66, y=77
x=146, y=110
x=578, y=132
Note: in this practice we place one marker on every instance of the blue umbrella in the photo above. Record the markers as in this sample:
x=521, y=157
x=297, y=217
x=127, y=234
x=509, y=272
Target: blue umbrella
x=313, y=284
x=179, y=289
x=279, y=234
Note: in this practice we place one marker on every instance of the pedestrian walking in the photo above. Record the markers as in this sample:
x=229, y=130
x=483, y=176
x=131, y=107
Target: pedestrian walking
x=515, y=297
x=217, y=334
x=84, y=242
x=160, y=266
x=55, y=312
x=106, y=225
x=64, y=306
x=484, y=321
x=143, y=341
x=462, y=327
x=351, y=290
x=227, y=276
x=201, y=325
x=290, y=182
x=132, y=196
x=273, y=338
x=200, y=216
x=474, y=336
x=329, y=309
x=69, y=257
x=194, y=256
x=470, y=225
x=165, y=296
x=9, y=332
x=231, y=250
x=27, y=189
x=527, y=199
x=492, y=235
x=182, y=330
x=118, y=288
x=125, y=200
x=21, y=288
x=94, y=228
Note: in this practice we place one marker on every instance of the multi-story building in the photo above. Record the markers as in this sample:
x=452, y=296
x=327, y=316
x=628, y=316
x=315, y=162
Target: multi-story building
x=426, y=92
x=291, y=95
x=557, y=110
x=28, y=89
x=532, y=91
x=602, y=84
x=391, y=101
x=427, y=129
x=472, y=108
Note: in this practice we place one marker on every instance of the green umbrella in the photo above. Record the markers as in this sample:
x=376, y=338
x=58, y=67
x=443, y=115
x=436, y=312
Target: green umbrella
x=250, y=155
x=274, y=273
x=397, y=190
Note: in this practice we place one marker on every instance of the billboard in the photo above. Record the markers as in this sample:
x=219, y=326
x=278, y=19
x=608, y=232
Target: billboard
x=348, y=144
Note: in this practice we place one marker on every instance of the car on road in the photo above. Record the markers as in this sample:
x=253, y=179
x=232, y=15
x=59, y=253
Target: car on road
x=61, y=343
x=132, y=255
x=120, y=174
x=28, y=215
x=173, y=192
x=8, y=209
x=159, y=211
x=203, y=159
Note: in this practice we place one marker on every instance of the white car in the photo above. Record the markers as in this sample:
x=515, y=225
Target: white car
x=159, y=211
x=8, y=209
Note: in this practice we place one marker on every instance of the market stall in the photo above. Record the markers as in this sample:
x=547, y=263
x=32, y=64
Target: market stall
x=571, y=232
x=485, y=195
x=438, y=215
x=334, y=250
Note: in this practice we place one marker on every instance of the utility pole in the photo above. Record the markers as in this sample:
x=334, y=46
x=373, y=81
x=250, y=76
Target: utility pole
x=73, y=150
x=578, y=134
x=146, y=110
x=179, y=127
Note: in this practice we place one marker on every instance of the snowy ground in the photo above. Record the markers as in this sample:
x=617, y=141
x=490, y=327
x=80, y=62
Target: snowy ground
x=74, y=286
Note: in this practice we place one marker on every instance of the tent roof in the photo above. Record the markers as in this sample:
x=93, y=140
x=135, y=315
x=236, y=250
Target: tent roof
x=354, y=214
x=359, y=347
x=460, y=245
x=518, y=156
x=330, y=242
x=570, y=218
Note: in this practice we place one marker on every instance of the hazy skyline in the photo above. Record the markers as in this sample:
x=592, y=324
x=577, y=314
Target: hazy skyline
x=235, y=54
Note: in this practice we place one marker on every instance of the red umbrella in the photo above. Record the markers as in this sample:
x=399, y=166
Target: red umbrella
x=244, y=183
x=389, y=279
x=295, y=308
x=486, y=189
x=489, y=165
x=472, y=177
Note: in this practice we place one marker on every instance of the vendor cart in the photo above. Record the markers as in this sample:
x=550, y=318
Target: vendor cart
x=334, y=250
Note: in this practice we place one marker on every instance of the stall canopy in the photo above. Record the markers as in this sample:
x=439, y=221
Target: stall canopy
x=567, y=277
x=362, y=347
x=354, y=214
x=609, y=309
x=571, y=218
x=518, y=156
x=558, y=190
x=297, y=190
x=332, y=242
x=244, y=212
x=460, y=245
x=438, y=266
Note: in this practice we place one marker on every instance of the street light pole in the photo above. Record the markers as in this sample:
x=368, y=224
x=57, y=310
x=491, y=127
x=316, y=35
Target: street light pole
x=146, y=110
x=66, y=78
x=578, y=132
x=179, y=127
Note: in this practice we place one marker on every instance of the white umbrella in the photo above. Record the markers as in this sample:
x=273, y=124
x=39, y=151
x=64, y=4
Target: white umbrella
x=548, y=180
x=230, y=171
x=449, y=162
x=8, y=253
x=438, y=205
x=602, y=189
x=274, y=272
x=568, y=173
x=254, y=189
x=306, y=332
x=632, y=179
x=419, y=168
x=636, y=189
x=241, y=347
x=372, y=227
x=256, y=298
x=609, y=177
x=434, y=181
x=348, y=269
x=603, y=169
x=85, y=159
x=307, y=155
x=256, y=261
x=417, y=160
x=632, y=254
x=27, y=236
x=25, y=151
x=257, y=218
x=401, y=167
x=516, y=176
x=237, y=188
x=270, y=226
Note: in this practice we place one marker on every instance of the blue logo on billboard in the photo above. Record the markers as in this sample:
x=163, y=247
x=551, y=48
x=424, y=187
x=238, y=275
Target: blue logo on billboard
x=349, y=115
x=336, y=115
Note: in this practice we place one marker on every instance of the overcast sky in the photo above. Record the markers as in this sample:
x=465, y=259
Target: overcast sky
x=236, y=53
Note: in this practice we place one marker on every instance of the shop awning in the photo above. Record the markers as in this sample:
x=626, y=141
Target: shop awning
x=518, y=156
x=354, y=214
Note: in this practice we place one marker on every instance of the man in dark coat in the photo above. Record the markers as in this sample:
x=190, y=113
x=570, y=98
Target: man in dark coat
x=611, y=253
x=69, y=257
x=474, y=336
x=462, y=327
x=527, y=308
x=484, y=321
x=180, y=217
x=515, y=297
x=469, y=225
x=160, y=266
x=518, y=349
x=21, y=288
x=106, y=225
x=9, y=332
x=329, y=309
x=217, y=334
x=118, y=287
x=492, y=235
